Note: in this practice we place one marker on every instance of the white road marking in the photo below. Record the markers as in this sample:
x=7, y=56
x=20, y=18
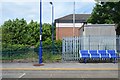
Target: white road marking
x=22, y=75
x=51, y=75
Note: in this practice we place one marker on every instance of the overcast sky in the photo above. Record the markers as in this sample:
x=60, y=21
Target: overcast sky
x=29, y=10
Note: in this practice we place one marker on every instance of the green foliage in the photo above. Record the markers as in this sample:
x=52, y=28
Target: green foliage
x=47, y=42
x=58, y=43
x=31, y=56
x=27, y=55
x=47, y=47
x=32, y=33
x=106, y=12
x=51, y=58
x=18, y=37
x=19, y=32
x=9, y=50
x=46, y=32
x=15, y=47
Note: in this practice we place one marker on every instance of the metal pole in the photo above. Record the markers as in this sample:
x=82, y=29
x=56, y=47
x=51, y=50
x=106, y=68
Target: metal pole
x=74, y=19
x=73, y=28
x=52, y=27
x=40, y=47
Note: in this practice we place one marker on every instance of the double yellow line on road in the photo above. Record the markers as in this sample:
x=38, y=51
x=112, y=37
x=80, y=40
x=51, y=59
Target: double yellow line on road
x=60, y=69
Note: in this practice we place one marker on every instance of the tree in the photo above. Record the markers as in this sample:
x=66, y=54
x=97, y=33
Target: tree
x=32, y=33
x=13, y=31
x=46, y=31
x=106, y=12
x=46, y=35
x=19, y=32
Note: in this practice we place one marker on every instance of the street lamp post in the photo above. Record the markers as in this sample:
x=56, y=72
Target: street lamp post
x=52, y=27
x=40, y=47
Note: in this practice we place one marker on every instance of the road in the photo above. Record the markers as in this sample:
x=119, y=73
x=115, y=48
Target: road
x=60, y=70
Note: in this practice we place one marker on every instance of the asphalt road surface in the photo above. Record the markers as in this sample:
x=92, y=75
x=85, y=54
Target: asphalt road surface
x=60, y=70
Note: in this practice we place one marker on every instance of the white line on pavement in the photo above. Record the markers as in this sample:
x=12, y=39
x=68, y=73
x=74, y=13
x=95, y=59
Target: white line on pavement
x=22, y=75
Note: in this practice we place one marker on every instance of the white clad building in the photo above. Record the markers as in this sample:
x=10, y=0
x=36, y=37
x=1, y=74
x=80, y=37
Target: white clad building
x=99, y=36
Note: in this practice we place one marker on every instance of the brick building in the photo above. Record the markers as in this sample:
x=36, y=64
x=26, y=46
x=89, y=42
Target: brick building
x=64, y=25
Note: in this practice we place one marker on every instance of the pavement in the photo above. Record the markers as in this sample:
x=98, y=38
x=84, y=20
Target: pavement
x=60, y=70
